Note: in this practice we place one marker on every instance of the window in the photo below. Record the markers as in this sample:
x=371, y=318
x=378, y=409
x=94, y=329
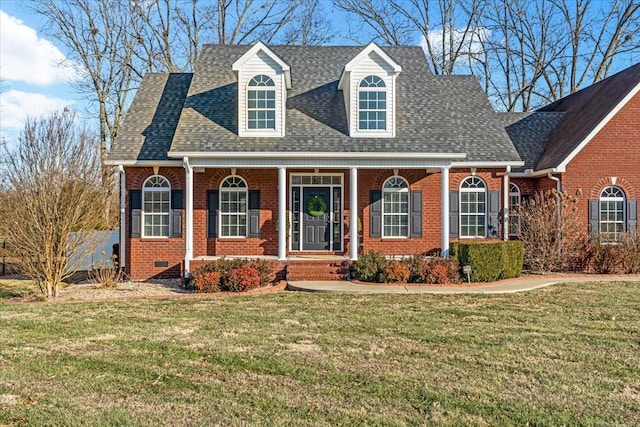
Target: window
x=473, y=207
x=395, y=208
x=514, y=218
x=156, y=191
x=261, y=103
x=372, y=104
x=611, y=214
x=233, y=207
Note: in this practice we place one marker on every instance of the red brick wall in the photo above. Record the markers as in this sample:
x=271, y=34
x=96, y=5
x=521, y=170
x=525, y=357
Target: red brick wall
x=614, y=152
x=142, y=253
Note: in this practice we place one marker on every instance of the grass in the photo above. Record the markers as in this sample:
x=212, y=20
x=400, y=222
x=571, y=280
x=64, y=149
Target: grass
x=16, y=288
x=564, y=355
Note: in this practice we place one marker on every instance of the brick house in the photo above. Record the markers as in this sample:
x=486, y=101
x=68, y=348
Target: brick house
x=309, y=155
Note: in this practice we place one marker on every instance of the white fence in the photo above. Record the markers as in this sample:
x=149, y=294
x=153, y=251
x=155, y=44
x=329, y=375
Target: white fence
x=97, y=251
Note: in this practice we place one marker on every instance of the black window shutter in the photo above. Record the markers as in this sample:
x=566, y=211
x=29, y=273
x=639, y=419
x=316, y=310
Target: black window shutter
x=416, y=214
x=135, y=212
x=212, y=213
x=632, y=215
x=494, y=214
x=454, y=214
x=375, y=214
x=594, y=217
x=254, y=213
x=176, y=213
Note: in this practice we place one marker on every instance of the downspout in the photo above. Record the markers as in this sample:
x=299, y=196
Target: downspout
x=559, y=199
x=505, y=195
x=123, y=215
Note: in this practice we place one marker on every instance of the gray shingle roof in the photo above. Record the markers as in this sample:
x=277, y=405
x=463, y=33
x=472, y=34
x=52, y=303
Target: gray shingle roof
x=435, y=114
x=530, y=133
x=584, y=110
x=151, y=121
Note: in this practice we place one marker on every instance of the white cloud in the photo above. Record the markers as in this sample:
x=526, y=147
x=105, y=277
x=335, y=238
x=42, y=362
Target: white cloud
x=16, y=105
x=471, y=41
x=27, y=58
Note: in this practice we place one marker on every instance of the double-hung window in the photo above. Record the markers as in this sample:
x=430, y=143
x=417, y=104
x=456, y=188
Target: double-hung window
x=156, y=193
x=372, y=104
x=261, y=103
x=233, y=207
x=395, y=208
x=473, y=207
x=612, y=202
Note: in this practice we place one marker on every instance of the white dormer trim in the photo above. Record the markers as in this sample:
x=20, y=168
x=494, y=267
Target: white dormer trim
x=260, y=60
x=261, y=47
x=371, y=61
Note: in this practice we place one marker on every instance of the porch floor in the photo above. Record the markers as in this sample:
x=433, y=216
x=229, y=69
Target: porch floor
x=291, y=257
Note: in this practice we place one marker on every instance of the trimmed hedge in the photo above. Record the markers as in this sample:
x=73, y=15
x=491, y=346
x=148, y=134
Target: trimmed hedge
x=490, y=261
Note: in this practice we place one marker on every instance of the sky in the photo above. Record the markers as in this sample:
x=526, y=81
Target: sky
x=35, y=76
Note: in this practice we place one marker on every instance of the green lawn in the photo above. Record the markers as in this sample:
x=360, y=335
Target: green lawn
x=564, y=355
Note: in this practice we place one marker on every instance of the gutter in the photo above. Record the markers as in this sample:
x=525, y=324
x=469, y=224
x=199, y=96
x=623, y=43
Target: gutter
x=530, y=173
x=317, y=155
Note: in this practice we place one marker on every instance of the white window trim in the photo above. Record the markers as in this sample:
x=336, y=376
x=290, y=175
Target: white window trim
x=407, y=190
x=221, y=214
x=460, y=214
x=622, y=199
x=272, y=88
x=143, y=211
x=384, y=89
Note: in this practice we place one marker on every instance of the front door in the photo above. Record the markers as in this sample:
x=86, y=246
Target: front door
x=316, y=218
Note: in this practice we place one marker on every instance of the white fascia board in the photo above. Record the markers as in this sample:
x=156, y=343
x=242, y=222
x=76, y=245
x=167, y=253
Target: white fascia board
x=237, y=66
x=366, y=51
x=344, y=77
x=601, y=125
x=514, y=164
x=319, y=155
x=161, y=163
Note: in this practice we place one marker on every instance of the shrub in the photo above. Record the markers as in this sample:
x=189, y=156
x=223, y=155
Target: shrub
x=490, y=261
x=440, y=271
x=552, y=232
x=108, y=274
x=630, y=252
x=242, y=279
x=369, y=266
x=415, y=263
x=395, y=271
x=231, y=275
x=208, y=281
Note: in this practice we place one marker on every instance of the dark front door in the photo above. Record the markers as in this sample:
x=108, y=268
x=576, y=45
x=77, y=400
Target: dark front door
x=316, y=218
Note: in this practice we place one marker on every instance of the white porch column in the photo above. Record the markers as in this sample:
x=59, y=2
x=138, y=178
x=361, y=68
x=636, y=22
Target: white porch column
x=505, y=198
x=444, y=190
x=282, y=214
x=123, y=215
x=188, y=240
x=353, y=218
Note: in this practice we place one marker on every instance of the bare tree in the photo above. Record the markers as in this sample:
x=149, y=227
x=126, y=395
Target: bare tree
x=53, y=189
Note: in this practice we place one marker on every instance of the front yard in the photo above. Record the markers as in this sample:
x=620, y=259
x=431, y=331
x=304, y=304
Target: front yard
x=568, y=354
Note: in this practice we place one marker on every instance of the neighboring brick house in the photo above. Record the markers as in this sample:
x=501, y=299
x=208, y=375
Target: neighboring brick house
x=291, y=152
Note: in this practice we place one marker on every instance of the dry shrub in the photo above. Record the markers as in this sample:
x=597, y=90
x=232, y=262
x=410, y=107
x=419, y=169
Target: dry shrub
x=440, y=271
x=395, y=271
x=208, y=281
x=108, y=274
x=552, y=232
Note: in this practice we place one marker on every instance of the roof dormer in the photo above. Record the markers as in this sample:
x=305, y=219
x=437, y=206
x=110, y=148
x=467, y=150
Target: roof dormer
x=263, y=80
x=368, y=84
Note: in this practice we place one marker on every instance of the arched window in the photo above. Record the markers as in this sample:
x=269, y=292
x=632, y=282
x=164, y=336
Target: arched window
x=612, y=215
x=395, y=208
x=156, y=192
x=514, y=218
x=261, y=103
x=473, y=207
x=372, y=104
x=233, y=207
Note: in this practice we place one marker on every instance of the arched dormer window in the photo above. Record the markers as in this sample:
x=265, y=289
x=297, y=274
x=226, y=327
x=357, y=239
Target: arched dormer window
x=612, y=214
x=233, y=207
x=372, y=104
x=395, y=207
x=473, y=207
x=156, y=193
x=261, y=103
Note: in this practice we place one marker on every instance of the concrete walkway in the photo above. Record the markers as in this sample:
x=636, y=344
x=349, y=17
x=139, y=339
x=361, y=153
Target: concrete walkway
x=520, y=284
